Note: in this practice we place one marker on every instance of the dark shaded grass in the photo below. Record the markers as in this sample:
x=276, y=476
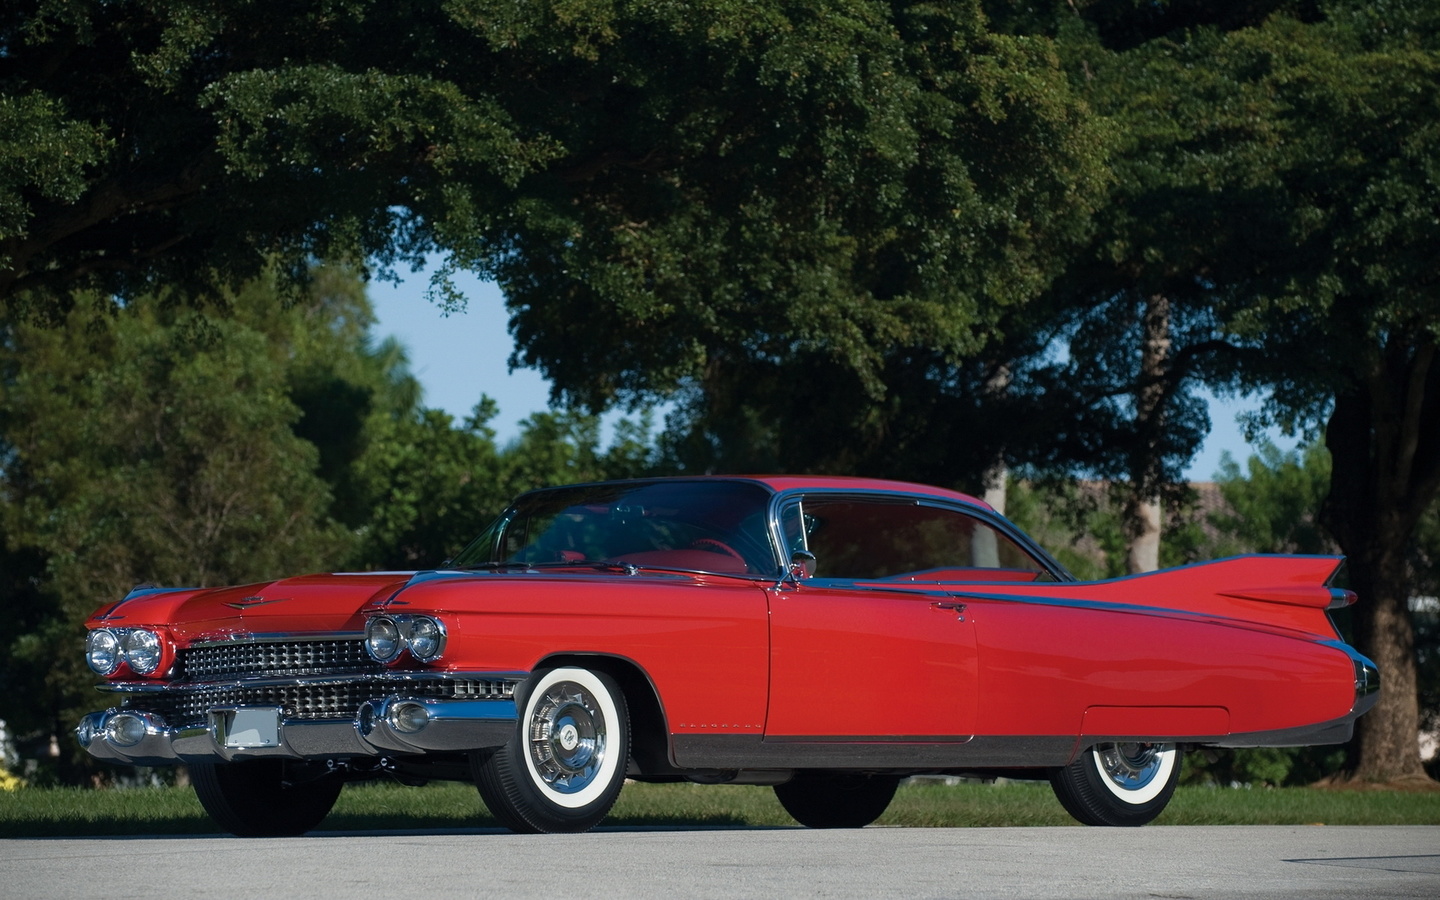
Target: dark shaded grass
x=64, y=812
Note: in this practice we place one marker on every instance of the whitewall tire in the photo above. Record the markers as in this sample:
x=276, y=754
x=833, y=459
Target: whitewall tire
x=564, y=768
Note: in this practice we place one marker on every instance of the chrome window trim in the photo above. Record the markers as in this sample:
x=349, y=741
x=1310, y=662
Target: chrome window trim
x=783, y=499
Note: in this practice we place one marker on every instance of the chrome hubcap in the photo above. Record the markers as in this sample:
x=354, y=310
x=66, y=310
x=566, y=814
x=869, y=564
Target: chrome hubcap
x=1129, y=766
x=567, y=737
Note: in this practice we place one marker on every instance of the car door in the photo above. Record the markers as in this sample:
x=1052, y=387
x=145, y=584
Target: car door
x=870, y=646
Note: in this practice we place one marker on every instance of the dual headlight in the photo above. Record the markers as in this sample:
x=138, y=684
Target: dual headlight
x=386, y=637
x=107, y=648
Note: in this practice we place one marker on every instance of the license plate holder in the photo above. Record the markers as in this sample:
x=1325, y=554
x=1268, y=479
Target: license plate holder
x=251, y=727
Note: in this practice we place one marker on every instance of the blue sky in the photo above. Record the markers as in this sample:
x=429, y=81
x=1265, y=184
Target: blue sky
x=461, y=356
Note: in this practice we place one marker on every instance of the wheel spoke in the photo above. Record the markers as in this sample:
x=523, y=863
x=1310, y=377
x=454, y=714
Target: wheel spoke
x=567, y=738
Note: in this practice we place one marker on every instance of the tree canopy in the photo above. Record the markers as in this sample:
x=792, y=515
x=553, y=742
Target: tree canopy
x=892, y=238
x=160, y=443
x=659, y=187
x=1279, y=188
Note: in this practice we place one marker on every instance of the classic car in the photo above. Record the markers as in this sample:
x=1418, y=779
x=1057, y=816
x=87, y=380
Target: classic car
x=826, y=636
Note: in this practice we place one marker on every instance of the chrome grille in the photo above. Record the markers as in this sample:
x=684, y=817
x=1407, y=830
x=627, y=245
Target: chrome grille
x=306, y=657
x=321, y=701
x=184, y=708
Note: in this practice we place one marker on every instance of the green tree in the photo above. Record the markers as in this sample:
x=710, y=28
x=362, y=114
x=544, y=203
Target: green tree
x=1343, y=320
x=425, y=485
x=663, y=190
x=1072, y=520
x=160, y=443
x=1273, y=505
x=148, y=444
x=1277, y=186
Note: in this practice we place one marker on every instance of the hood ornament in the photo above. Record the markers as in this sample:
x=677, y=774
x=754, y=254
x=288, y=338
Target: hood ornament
x=248, y=602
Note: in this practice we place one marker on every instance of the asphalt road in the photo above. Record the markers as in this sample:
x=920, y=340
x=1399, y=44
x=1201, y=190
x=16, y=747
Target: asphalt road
x=1310, y=862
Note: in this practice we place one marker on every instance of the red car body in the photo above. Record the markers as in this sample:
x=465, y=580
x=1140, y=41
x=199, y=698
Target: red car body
x=825, y=635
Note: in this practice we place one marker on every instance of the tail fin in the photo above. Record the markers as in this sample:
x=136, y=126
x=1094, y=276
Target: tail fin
x=1282, y=591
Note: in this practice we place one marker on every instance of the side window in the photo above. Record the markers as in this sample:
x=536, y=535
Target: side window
x=863, y=539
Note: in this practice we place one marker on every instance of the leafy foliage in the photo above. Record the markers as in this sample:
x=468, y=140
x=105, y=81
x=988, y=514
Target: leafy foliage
x=149, y=445
x=1275, y=184
x=660, y=188
x=157, y=443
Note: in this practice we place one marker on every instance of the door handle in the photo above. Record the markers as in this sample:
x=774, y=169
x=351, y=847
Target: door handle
x=957, y=608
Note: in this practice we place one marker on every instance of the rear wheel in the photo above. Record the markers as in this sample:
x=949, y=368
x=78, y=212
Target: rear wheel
x=837, y=800
x=1119, y=783
x=564, y=767
x=265, y=797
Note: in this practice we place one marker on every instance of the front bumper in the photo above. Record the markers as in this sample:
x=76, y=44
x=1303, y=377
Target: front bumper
x=399, y=723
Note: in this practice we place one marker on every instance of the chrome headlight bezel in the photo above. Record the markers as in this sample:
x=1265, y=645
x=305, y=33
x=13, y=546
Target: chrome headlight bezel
x=104, y=651
x=143, y=650
x=384, y=639
x=426, y=638
x=387, y=637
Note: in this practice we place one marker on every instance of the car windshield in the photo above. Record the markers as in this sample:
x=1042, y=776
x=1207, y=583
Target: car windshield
x=705, y=526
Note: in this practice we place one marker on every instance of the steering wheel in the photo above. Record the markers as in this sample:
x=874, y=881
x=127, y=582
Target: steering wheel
x=715, y=546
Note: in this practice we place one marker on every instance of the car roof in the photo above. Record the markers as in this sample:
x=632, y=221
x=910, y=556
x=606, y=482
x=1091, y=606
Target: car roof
x=850, y=483
x=784, y=483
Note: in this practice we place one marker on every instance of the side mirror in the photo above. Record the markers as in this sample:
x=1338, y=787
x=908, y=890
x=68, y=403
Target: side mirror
x=802, y=565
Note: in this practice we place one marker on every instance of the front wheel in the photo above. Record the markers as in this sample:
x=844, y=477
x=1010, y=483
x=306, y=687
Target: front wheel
x=837, y=801
x=265, y=797
x=1119, y=783
x=565, y=765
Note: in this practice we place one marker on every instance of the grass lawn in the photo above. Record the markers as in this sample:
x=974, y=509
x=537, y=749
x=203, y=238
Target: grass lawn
x=37, y=812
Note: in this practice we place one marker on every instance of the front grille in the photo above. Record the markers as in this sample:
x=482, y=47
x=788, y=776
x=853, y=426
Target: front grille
x=304, y=657
x=183, y=708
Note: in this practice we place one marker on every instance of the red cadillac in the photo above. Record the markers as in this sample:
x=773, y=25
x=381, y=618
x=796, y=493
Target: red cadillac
x=826, y=636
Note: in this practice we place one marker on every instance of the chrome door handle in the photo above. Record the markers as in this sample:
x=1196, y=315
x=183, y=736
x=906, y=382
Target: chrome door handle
x=957, y=608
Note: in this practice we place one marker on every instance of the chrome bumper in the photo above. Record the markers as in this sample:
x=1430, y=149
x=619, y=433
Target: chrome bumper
x=387, y=727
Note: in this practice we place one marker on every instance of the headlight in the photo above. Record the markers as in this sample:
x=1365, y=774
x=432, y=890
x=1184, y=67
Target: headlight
x=382, y=639
x=142, y=651
x=427, y=638
x=386, y=637
x=103, y=651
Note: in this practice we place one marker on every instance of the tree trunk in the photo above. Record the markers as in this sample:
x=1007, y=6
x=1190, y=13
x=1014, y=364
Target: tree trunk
x=1384, y=440
x=1142, y=522
x=997, y=477
x=1142, y=508
x=1387, y=743
x=997, y=480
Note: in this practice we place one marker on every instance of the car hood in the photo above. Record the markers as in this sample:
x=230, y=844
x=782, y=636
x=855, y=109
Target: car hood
x=309, y=604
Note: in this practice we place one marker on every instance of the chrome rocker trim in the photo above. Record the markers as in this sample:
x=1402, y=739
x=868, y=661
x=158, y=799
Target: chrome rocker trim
x=392, y=725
